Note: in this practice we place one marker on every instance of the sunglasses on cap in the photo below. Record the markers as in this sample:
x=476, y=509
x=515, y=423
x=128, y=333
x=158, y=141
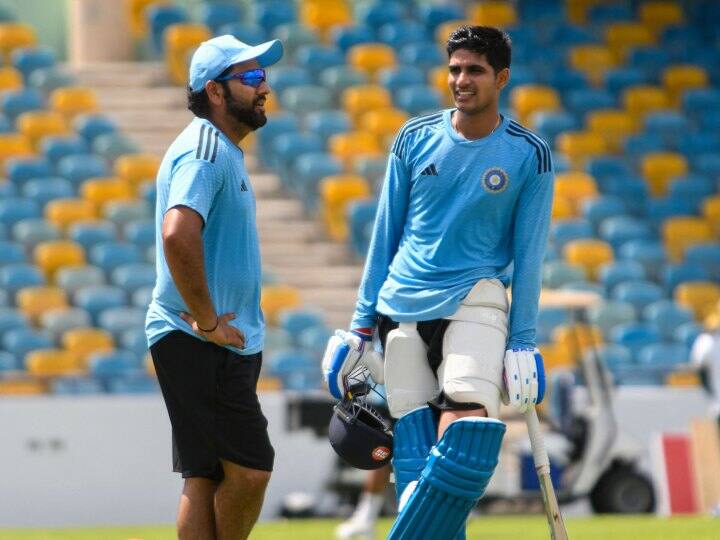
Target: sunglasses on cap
x=252, y=77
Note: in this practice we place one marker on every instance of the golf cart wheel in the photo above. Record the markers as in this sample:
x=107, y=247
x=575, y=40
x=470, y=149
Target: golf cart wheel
x=622, y=490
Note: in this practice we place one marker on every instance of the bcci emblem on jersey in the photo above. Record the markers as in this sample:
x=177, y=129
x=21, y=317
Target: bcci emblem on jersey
x=495, y=180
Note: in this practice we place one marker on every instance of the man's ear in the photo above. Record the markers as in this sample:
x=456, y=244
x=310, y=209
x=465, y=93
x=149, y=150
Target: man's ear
x=502, y=78
x=215, y=92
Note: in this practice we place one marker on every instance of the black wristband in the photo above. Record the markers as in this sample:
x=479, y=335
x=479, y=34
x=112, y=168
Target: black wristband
x=217, y=322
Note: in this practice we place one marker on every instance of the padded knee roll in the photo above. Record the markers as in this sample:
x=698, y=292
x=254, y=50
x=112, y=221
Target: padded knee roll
x=453, y=480
x=413, y=437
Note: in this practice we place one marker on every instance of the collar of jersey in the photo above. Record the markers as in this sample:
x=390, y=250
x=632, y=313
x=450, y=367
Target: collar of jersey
x=455, y=136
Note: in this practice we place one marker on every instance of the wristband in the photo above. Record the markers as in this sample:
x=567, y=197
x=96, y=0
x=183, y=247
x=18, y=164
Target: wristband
x=217, y=322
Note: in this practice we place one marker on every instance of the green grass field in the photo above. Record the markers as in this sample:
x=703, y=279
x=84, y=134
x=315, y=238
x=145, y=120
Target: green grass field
x=485, y=528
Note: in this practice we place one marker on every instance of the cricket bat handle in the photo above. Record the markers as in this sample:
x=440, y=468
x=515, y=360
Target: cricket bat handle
x=542, y=466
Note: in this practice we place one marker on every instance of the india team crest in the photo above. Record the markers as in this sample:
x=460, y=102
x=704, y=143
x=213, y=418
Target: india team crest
x=495, y=180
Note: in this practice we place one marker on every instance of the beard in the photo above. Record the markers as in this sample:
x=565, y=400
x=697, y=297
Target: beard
x=245, y=115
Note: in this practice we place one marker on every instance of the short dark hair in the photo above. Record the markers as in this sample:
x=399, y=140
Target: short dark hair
x=492, y=42
x=198, y=102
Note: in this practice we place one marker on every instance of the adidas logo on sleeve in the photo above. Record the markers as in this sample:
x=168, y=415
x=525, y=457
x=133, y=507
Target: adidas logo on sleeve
x=430, y=170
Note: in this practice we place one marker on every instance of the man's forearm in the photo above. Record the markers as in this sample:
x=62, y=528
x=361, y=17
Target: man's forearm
x=184, y=255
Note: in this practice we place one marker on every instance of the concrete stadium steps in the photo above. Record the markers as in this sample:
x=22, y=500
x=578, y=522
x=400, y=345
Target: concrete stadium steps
x=294, y=246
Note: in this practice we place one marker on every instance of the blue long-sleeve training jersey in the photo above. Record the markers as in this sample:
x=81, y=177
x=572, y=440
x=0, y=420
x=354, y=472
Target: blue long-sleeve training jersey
x=453, y=211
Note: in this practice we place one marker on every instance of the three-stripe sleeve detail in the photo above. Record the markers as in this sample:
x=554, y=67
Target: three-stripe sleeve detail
x=207, y=144
x=400, y=145
x=542, y=150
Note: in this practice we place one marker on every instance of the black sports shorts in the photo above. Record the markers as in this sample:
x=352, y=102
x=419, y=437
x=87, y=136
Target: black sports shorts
x=211, y=397
x=432, y=333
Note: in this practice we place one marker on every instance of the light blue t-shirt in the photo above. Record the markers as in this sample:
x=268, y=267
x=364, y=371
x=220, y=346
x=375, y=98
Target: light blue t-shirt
x=205, y=171
x=453, y=211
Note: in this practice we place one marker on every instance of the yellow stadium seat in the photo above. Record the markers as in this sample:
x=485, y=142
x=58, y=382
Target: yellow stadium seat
x=592, y=60
x=493, y=13
x=271, y=104
x=22, y=387
x=180, y=40
x=137, y=168
x=322, y=16
x=383, y=123
x=579, y=146
x=591, y=254
x=576, y=10
x=700, y=297
x=438, y=79
x=683, y=379
x=357, y=100
x=678, y=78
x=443, y=31
x=658, y=15
x=34, y=301
x=711, y=212
x=577, y=338
x=55, y=254
x=269, y=384
x=149, y=365
x=622, y=36
x=10, y=79
x=335, y=193
x=563, y=208
x=137, y=15
x=275, y=298
x=73, y=100
x=575, y=187
x=349, y=146
x=371, y=57
x=641, y=99
x=35, y=125
x=529, y=98
x=679, y=233
x=556, y=356
x=63, y=212
x=614, y=126
x=661, y=168
x=84, y=342
x=14, y=36
x=13, y=145
x=52, y=363
x=101, y=190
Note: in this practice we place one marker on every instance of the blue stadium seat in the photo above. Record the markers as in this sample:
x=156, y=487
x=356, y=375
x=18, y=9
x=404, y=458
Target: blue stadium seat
x=617, y=80
x=14, y=277
x=651, y=255
x=148, y=191
x=30, y=232
x=602, y=167
x=7, y=190
x=584, y=286
x=687, y=333
x=16, y=102
x=159, y=17
x=568, y=34
x=633, y=191
x=418, y=99
x=564, y=230
x=90, y=233
x=345, y=37
x=710, y=121
x=663, y=355
x=399, y=77
x=638, y=144
x=278, y=124
x=58, y=321
x=45, y=80
x=95, y=299
x=132, y=383
x=11, y=319
x=73, y=278
x=79, y=167
x=667, y=316
x=8, y=362
x=548, y=319
x=316, y=58
x=651, y=60
x=135, y=341
x=110, y=255
x=4, y=230
x=639, y=293
x=696, y=102
x=378, y=14
x=338, y=78
x=671, y=126
x=268, y=15
x=252, y=34
x=142, y=297
x=675, y=274
x=606, y=13
x=372, y=168
x=308, y=169
x=20, y=341
x=312, y=341
x=557, y=273
x=19, y=170
x=11, y=253
x=276, y=339
x=615, y=356
x=564, y=80
x=611, y=274
x=106, y=365
x=707, y=164
x=306, y=98
x=296, y=370
x=635, y=336
x=610, y=313
x=659, y=209
x=113, y=145
x=90, y=126
x=117, y=320
x=216, y=14
x=549, y=124
x=131, y=277
x=56, y=147
x=433, y=15
x=426, y=56
x=14, y=209
x=294, y=321
x=123, y=212
x=692, y=188
x=140, y=232
x=598, y=209
x=401, y=33
x=583, y=101
x=707, y=256
x=617, y=230
x=289, y=146
x=75, y=386
x=361, y=216
x=328, y=123
x=282, y=77
x=28, y=59
x=681, y=42
x=43, y=190
x=693, y=144
x=522, y=74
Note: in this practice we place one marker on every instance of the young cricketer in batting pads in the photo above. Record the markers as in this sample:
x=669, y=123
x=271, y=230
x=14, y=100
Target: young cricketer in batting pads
x=464, y=213
x=204, y=323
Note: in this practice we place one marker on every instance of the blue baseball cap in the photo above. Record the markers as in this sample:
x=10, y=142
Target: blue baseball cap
x=214, y=56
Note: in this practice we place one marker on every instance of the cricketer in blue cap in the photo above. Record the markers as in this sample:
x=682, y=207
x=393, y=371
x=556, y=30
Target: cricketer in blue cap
x=204, y=324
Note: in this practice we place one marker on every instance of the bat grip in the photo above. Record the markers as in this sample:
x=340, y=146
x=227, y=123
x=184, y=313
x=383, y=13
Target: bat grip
x=540, y=456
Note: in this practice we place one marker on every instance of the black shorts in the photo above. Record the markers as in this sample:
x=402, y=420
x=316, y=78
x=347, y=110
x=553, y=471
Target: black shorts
x=211, y=398
x=432, y=333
